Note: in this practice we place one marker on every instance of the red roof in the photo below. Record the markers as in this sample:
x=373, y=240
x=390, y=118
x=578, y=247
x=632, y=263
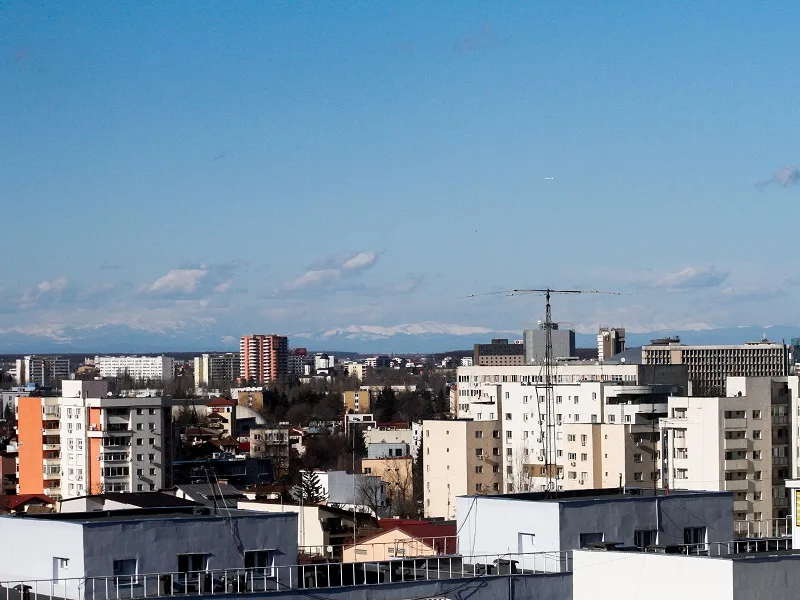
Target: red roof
x=441, y=536
x=14, y=502
x=220, y=402
x=244, y=446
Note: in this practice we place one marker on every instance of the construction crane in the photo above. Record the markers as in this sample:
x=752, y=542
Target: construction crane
x=548, y=424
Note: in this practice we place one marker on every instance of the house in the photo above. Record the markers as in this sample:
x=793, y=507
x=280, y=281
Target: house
x=321, y=530
x=210, y=495
x=88, y=553
x=23, y=503
x=122, y=501
x=222, y=415
x=399, y=538
x=567, y=520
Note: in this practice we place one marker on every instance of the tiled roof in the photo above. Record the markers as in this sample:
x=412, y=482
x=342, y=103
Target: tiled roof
x=220, y=402
x=14, y=502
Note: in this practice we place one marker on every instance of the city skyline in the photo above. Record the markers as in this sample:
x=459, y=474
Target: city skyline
x=181, y=173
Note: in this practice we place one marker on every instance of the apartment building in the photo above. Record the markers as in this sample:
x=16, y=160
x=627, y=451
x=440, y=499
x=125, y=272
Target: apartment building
x=215, y=370
x=610, y=341
x=460, y=457
x=138, y=368
x=42, y=370
x=743, y=442
x=709, y=366
x=606, y=406
x=358, y=401
x=263, y=358
x=498, y=353
x=39, y=442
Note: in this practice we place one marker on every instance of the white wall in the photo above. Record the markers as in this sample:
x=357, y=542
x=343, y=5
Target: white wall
x=493, y=525
x=309, y=525
x=599, y=575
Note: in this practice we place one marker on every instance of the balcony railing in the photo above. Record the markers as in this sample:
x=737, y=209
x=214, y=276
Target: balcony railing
x=766, y=528
x=229, y=582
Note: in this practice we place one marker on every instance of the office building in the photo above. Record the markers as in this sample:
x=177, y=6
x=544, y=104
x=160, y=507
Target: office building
x=742, y=443
x=42, y=370
x=499, y=353
x=216, y=370
x=610, y=341
x=137, y=368
x=263, y=358
x=709, y=366
x=460, y=457
x=536, y=343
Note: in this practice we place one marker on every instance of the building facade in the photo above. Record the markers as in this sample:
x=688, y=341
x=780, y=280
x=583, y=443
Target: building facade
x=498, y=353
x=610, y=341
x=744, y=443
x=39, y=442
x=138, y=368
x=709, y=366
x=216, y=370
x=42, y=370
x=563, y=341
x=263, y=358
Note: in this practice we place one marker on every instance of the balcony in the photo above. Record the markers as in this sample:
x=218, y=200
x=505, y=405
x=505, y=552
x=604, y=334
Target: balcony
x=741, y=506
x=51, y=461
x=737, y=444
x=51, y=476
x=780, y=461
x=735, y=423
x=780, y=419
x=739, y=464
x=739, y=485
x=52, y=431
x=51, y=446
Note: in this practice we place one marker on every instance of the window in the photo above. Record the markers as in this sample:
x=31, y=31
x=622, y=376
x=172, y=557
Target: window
x=478, y=451
x=125, y=570
x=79, y=444
x=139, y=442
x=558, y=399
x=756, y=414
x=139, y=426
x=152, y=471
x=757, y=475
x=261, y=561
x=151, y=426
x=642, y=538
x=479, y=469
x=193, y=563
x=140, y=472
x=694, y=535
x=139, y=412
x=479, y=434
x=577, y=417
x=509, y=452
x=637, y=476
x=508, y=435
x=590, y=538
x=572, y=456
x=637, y=458
x=151, y=457
x=140, y=457
x=757, y=455
x=139, y=487
x=584, y=456
x=570, y=437
x=508, y=416
x=495, y=451
x=151, y=411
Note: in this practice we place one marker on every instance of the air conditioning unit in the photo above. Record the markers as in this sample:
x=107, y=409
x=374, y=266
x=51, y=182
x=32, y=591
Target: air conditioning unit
x=572, y=464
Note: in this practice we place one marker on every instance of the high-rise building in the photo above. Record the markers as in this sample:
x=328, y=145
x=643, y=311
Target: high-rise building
x=610, y=341
x=138, y=368
x=263, y=358
x=498, y=353
x=215, y=370
x=744, y=442
x=86, y=442
x=42, y=370
x=536, y=343
x=710, y=365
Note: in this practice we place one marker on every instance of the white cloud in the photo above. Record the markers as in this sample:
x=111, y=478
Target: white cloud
x=362, y=260
x=56, y=285
x=692, y=278
x=183, y=281
x=423, y=328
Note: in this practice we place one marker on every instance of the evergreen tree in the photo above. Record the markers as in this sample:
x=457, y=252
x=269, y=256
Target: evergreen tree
x=311, y=491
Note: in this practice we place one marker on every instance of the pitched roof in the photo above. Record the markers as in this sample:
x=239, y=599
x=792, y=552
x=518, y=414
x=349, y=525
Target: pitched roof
x=221, y=494
x=14, y=502
x=220, y=402
x=440, y=536
x=148, y=499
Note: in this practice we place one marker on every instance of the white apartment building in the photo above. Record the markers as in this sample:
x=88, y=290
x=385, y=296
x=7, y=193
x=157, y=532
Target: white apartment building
x=145, y=368
x=745, y=442
x=113, y=444
x=43, y=370
x=604, y=408
x=216, y=369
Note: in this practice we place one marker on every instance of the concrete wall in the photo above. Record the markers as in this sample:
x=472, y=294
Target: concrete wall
x=156, y=543
x=309, y=525
x=494, y=525
x=30, y=547
x=601, y=575
x=757, y=578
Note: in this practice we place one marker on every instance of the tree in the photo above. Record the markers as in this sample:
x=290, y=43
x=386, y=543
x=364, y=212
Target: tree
x=371, y=492
x=8, y=414
x=385, y=405
x=398, y=474
x=310, y=491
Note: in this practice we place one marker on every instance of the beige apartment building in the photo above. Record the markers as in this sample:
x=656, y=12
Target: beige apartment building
x=743, y=443
x=460, y=457
x=709, y=366
x=358, y=401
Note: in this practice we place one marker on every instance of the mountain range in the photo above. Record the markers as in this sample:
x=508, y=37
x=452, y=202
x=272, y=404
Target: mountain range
x=425, y=337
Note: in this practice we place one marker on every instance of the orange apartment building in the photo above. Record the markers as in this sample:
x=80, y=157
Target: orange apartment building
x=263, y=358
x=39, y=438
x=86, y=442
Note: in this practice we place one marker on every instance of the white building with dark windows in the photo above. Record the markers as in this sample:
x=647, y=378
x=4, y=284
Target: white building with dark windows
x=138, y=368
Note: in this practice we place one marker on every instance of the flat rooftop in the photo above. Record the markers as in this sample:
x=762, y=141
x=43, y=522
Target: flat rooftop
x=142, y=514
x=601, y=494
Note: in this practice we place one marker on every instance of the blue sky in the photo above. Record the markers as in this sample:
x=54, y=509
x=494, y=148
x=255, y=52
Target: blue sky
x=301, y=167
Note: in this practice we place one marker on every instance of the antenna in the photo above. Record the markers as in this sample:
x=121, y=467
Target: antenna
x=550, y=437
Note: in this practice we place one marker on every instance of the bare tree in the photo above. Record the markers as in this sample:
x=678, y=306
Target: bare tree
x=371, y=493
x=398, y=475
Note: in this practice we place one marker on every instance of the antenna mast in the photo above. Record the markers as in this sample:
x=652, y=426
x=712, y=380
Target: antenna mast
x=550, y=435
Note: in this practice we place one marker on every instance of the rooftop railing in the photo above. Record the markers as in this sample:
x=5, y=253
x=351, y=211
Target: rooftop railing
x=283, y=578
